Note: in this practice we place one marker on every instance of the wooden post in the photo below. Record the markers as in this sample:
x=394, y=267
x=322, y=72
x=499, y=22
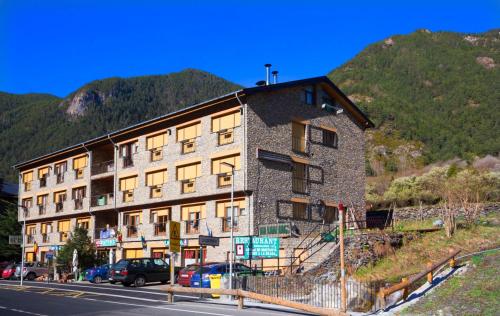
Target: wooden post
x=405, y=289
x=240, y=302
x=381, y=297
x=170, y=297
x=343, y=290
x=429, y=275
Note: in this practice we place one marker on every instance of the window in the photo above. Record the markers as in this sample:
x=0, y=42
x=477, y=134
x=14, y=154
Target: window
x=133, y=253
x=186, y=136
x=27, y=179
x=298, y=137
x=299, y=178
x=309, y=96
x=154, y=144
x=299, y=210
x=83, y=222
x=127, y=186
x=78, y=165
x=192, y=215
x=31, y=232
x=27, y=203
x=63, y=229
x=222, y=171
x=330, y=138
x=224, y=126
x=59, y=198
x=41, y=201
x=223, y=211
x=159, y=253
x=78, y=194
x=331, y=214
x=43, y=173
x=155, y=180
x=186, y=175
x=59, y=170
x=30, y=257
x=46, y=230
x=160, y=218
x=132, y=221
x=126, y=151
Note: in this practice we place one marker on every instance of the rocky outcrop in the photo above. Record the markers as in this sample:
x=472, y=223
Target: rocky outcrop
x=80, y=102
x=486, y=62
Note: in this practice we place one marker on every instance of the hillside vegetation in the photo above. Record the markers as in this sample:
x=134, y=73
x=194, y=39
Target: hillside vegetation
x=437, y=91
x=35, y=124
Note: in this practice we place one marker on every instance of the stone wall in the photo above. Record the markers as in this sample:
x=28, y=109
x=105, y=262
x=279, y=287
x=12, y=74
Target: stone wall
x=432, y=211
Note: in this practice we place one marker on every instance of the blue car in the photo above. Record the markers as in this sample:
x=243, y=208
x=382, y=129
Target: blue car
x=97, y=274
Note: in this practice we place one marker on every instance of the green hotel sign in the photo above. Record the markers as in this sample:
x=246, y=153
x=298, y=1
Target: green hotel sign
x=259, y=247
x=280, y=229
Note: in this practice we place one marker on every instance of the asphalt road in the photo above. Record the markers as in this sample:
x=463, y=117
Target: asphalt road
x=41, y=299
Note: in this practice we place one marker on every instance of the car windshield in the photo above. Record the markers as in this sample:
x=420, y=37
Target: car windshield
x=121, y=264
x=191, y=268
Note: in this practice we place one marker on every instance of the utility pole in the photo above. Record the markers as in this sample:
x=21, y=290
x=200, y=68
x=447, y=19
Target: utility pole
x=343, y=290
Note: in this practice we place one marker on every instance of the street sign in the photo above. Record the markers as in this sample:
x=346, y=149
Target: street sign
x=240, y=250
x=15, y=239
x=175, y=236
x=261, y=247
x=208, y=241
x=49, y=254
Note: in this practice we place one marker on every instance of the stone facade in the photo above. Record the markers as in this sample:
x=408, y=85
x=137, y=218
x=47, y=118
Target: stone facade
x=335, y=174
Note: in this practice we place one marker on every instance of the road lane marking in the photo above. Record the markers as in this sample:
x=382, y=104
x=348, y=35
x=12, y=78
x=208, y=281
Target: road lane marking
x=160, y=307
x=21, y=311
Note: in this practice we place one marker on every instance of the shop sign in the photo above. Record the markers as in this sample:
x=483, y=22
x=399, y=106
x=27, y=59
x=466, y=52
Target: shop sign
x=280, y=229
x=184, y=242
x=260, y=247
x=109, y=242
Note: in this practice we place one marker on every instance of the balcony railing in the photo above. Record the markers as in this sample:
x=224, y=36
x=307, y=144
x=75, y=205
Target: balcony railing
x=155, y=191
x=43, y=181
x=128, y=162
x=45, y=238
x=188, y=146
x=78, y=204
x=225, y=136
x=300, y=185
x=63, y=236
x=160, y=229
x=30, y=239
x=156, y=154
x=188, y=186
x=27, y=186
x=105, y=232
x=59, y=206
x=79, y=173
x=102, y=199
x=193, y=227
x=299, y=144
x=41, y=209
x=128, y=196
x=132, y=231
x=226, y=224
x=59, y=177
x=102, y=167
x=223, y=180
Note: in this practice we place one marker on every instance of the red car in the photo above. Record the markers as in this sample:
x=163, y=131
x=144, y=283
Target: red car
x=185, y=274
x=8, y=271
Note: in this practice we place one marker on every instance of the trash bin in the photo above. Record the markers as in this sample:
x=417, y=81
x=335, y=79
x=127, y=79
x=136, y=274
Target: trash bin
x=215, y=283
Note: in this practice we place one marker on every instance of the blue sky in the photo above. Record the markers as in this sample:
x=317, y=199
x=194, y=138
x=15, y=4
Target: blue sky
x=57, y=46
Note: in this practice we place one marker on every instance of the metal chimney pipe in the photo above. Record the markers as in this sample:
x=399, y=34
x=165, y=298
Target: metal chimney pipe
x=275, y=77
x=268, y=74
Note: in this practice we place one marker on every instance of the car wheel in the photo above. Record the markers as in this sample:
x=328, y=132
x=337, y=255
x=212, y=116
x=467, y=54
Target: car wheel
x=31, y=276
x=127, y=284
x=112, y=282
x=97, y=280
x=140, y=281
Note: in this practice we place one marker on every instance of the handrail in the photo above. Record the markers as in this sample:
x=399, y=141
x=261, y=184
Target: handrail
x=241, y=294
x=406, y=282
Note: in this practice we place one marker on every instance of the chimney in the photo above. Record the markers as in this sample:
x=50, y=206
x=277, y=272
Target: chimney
x=268, y=74
x=275, y=76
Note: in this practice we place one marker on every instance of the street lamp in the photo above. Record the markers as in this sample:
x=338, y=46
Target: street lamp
x=232, y=225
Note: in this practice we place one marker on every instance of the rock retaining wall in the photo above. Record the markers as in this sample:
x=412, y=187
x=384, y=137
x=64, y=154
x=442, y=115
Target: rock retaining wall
x=432, y=211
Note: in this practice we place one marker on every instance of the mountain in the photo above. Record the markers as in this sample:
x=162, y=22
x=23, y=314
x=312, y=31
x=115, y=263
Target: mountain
x=35, y=124
x=433, y=96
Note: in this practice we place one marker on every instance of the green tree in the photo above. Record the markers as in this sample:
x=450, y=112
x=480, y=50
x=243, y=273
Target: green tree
x=9, y=226
x=81, y=241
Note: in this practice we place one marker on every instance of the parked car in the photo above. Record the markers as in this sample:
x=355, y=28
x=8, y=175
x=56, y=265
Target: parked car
x=3, y=265
x=239, y=269
x=32, y=270
x=9, y=271
x=186, y=273
x=140, y=271
x=98, y=274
